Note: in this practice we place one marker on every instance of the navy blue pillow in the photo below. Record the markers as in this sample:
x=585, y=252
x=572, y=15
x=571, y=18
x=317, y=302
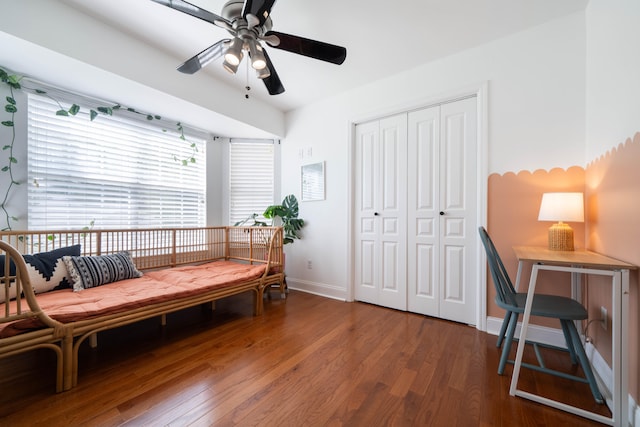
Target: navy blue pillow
x=46, y=270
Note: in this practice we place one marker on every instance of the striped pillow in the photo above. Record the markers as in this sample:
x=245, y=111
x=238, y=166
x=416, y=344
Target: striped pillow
x=91, y=271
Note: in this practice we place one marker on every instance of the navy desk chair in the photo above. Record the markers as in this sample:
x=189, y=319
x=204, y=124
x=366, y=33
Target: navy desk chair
x=565, y=309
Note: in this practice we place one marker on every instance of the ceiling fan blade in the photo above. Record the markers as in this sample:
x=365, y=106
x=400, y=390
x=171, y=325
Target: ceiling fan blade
x=193, y=10
x=208, y=55
x=307, y=47
x=273, y=83
x=259, y=8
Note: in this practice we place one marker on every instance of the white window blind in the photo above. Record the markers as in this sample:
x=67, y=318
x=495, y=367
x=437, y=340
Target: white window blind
x=251, y=178
x=116, y=171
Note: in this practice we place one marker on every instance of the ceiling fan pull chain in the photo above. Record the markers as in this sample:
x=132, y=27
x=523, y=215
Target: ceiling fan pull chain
x=247, y=87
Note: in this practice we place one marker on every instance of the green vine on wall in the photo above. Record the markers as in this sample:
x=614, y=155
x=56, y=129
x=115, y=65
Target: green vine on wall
x=13, y=82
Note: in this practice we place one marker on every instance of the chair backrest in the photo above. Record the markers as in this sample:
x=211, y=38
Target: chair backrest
x=506, y=293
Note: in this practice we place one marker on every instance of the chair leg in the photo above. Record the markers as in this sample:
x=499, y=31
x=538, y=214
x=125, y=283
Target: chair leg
x=584, y=362
x=506, y=348
x=569, y=340
x=503, y=328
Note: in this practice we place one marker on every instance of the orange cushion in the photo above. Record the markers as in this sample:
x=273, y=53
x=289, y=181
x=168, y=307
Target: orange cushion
x=154, y=287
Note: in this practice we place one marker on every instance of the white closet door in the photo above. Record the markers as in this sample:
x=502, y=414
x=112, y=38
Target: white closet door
x=442, y=210
x=423, y=237
x=458, y=204
x=380, y=253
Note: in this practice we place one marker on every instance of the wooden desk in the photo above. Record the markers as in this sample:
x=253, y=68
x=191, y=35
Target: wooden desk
x=583, y=262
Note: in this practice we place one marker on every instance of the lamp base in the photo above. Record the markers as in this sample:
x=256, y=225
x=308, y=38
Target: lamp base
x=561, y=237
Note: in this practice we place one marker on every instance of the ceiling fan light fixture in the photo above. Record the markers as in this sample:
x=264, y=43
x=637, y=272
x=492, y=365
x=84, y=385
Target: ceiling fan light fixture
x=263, y=73
x=258, y=61
x=233, y=55
x=230, y=67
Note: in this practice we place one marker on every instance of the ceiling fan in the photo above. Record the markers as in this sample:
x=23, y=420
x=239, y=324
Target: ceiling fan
x=249, y=23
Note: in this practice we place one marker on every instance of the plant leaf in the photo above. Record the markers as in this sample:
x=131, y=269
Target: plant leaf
x=13, y=160
x=290, y=203
x=10, y=100
x=6, y=147
x=6, y=168
x=75, y=108
x=13, y=81
x=62, y=113
x=106, y=110
x=93, y=114
x=10, y=108
x=40, y=91
x=8, y=123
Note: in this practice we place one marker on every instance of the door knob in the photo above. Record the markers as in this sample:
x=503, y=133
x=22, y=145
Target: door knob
x=376, y=214
x=441, y=213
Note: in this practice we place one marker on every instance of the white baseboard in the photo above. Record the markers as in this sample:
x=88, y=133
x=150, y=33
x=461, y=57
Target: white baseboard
x=603, y=371
x=541, y=334
x=315, y=288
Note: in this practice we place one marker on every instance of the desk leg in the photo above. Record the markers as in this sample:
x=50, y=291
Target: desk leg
x=523, y=330
x=619, y=346
x=576, y=294
x=519, y=274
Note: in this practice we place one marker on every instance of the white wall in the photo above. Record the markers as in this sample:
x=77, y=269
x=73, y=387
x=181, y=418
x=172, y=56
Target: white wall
x=536, y=105
x=613, y=76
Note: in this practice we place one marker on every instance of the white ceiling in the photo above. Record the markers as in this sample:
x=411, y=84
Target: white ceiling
x=382, y=37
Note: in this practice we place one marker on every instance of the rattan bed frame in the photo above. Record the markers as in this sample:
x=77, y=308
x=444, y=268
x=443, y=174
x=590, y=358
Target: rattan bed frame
x=150, y=249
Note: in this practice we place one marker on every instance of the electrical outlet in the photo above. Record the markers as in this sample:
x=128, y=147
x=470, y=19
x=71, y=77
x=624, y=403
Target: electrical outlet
x=603, y=318
x=309, y=264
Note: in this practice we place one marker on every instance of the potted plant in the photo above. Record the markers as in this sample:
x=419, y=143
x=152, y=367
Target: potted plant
x=287, y=216
x=284, y=214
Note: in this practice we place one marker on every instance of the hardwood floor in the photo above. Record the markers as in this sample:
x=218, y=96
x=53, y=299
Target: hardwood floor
x=308, y=361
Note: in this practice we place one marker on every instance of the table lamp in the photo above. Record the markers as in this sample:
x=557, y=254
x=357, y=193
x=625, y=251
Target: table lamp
x=561, y=207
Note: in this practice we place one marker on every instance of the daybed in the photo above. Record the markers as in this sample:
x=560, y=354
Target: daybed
x=74, y=284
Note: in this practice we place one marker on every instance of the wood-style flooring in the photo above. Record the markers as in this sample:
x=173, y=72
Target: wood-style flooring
x=308, y=361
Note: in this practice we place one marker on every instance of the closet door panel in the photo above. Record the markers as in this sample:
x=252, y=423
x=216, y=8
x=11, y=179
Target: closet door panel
x=422, y=211
x=454, y=284
x=454, y=161
x=458, y=200
x=381, y=153
x=392, y=211
x=367, y=258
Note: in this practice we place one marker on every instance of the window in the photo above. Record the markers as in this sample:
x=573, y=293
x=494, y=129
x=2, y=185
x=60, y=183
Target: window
x=120, y=171
x=251, y=178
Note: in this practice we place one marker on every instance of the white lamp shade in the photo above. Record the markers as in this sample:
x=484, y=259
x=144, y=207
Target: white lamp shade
x=564, y=207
